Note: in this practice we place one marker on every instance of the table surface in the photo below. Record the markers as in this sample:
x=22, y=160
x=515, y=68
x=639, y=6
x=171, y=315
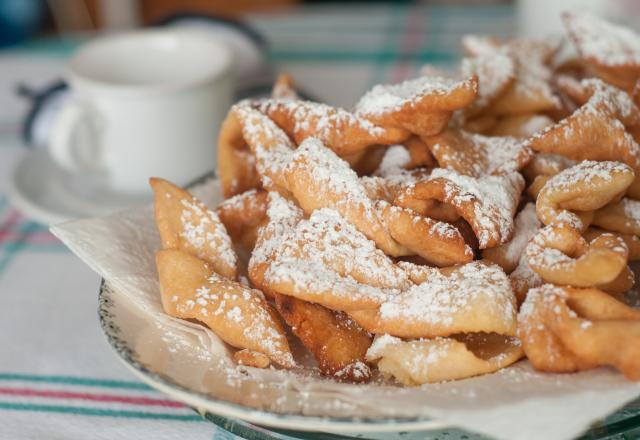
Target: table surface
x=58, y=377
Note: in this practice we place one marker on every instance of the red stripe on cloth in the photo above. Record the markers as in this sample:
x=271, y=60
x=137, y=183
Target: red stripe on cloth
x=12, y=219
x=38, y=237
x=145, y=401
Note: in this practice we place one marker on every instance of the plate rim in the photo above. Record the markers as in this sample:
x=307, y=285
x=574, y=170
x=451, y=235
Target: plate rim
x=204, y=403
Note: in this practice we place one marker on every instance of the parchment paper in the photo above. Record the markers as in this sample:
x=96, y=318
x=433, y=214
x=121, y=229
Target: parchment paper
x=515, y=403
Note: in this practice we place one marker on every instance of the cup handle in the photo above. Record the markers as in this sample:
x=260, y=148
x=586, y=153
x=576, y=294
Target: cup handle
x=73, y=143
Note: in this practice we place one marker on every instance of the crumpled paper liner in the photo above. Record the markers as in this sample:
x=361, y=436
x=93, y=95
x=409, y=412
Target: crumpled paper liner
x=514, y=403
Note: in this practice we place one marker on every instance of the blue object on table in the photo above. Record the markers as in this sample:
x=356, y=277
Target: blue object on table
x=20, y=20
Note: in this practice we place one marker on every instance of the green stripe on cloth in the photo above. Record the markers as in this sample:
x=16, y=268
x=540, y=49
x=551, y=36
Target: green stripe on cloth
x=13, y=248
x=73, y=380
x=388, y=54
x=38, y=247
x=60, y=409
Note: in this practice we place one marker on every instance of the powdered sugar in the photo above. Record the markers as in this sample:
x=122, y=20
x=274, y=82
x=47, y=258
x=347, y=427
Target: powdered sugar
x=526, y=226
x=394, y=161
x=475, y=154
x=494, y=71
x=442, y=296
x=494, y=198
x=316, y=119
x=586, y=173
x=603, y=42
x=391, y=98
x=202, y=228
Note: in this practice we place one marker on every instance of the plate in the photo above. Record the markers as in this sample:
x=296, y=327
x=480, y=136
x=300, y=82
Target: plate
x=46, y=193
x=133, y=335
x=122, y=325
x=125, y=328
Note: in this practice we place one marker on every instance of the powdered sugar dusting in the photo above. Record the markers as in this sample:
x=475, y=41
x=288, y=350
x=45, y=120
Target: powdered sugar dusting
x=391, y=98
x=526, y=226
x=494, y=71
x=441, y=296
x=242, y=309
x=602, y=41
x=495, y=200
x=202, y=228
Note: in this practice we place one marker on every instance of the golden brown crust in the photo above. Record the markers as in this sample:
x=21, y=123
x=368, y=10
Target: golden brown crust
x=338, y=344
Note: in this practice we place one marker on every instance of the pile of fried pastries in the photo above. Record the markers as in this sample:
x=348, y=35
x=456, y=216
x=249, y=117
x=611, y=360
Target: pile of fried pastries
x=443, y=228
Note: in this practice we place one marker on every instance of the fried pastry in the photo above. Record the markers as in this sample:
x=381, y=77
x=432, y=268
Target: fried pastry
x=422, y=106
x=508, y=255
x=612, y=51
x=443, y=302
x=240, y=316
x=495, y=72
x=620, y=216
x=560, y=255
x=417, y=362
x=283, y=88
x=186, y=223
x=477, y=155
x=344, y=132
x=487, y=203
x=632, y=241
x=404, y=221
x=520, y=126
x=319, y=179
x=236, y=163
x=568, y=329
x=242, y=215
x=335, y=340
x=599, y=130
x=530, y=92
x=572, y=195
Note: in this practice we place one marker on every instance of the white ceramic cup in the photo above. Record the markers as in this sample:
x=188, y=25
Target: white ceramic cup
x=145, y=103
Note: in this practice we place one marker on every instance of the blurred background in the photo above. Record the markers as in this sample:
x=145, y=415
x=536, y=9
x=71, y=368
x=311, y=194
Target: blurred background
x=335, y=51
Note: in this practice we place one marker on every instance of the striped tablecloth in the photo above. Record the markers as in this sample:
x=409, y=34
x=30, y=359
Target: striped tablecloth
x=58, y=378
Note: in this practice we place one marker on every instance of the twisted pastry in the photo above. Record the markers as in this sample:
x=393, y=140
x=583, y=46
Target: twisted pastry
x=326, y=260
x=422, y=106
x=621, y=216
x=558, y=253
x=487, y=203
x=197, y=269
x=318, y=178
x=572, y=195
x=240, y=316
x=338, y=344
x=344, y=132
x=565, y=329
x=236, y=164
x=495, y=71
x=186, y=223
x=530, y=91
x=508, y=255
x=477, y=155
x=334, y=339
x=601, y=129
x=242, y=215
x=443, y=359
x=445, y=301
x=612, y=51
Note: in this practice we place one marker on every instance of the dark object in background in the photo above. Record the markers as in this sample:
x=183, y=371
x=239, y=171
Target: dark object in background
x=20, y=20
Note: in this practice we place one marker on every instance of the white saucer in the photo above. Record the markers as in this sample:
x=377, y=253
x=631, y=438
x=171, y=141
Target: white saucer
x=46, y=193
